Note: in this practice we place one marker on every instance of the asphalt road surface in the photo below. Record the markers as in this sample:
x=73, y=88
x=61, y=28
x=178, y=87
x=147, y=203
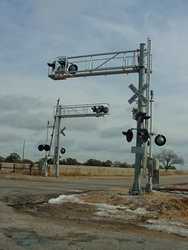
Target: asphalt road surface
x=27, y=184
x=19, y=230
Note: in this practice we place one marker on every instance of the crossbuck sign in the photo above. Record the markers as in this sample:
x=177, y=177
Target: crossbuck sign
x=137, y=93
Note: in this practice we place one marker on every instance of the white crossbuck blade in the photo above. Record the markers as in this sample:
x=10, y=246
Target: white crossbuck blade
x=137, y=93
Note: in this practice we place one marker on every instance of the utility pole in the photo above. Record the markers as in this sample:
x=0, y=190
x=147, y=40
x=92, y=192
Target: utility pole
x=136, y=189
x=23, y=151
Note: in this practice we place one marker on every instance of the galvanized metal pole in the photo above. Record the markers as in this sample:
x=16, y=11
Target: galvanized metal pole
x=46, y=153
x=136, y=189
x=148, y=75
x=147, y=153
x=149, y=185
x=151, y=121
x=58, y=126
x=55, y=133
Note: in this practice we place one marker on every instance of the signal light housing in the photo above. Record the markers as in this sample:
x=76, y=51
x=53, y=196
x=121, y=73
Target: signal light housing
x=100, y=109
x=73, y=68
x=160, y=140
x=128, y=134
x=62, y=62
x=40, y=147
x=47, y=147
x=51, y=65
x=94, y=109
x=144, y=135
x=63, y=150
x=50, y=161
x=44, y=147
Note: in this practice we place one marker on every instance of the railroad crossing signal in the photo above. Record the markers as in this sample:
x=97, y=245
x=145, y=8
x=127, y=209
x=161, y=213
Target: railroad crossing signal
x=142, y=133
x=72, y=111
x=44, y=147
x=137, y=93
x=120, y=62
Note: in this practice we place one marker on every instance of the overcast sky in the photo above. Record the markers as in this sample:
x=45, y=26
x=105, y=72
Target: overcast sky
x=34, y=31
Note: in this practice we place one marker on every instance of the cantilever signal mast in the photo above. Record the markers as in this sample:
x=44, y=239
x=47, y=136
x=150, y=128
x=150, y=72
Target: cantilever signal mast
x=72, y=111
x=119, y=62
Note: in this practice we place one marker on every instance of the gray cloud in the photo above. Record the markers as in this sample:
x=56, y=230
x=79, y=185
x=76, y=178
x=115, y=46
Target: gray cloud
x=24, y=121
x=104, y=147
x=23, y=112
x=111, y=132
x=81, y=124
x=10, y=137
x=13, y=103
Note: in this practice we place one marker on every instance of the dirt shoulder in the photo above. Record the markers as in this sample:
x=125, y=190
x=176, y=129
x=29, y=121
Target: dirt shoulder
x=89, y=219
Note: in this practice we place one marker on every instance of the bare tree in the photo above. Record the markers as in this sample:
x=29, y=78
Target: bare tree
x=168, y=157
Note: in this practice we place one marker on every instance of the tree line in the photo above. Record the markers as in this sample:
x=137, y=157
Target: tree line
x=92, y=162
x=15, y=158
x=168, y=159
